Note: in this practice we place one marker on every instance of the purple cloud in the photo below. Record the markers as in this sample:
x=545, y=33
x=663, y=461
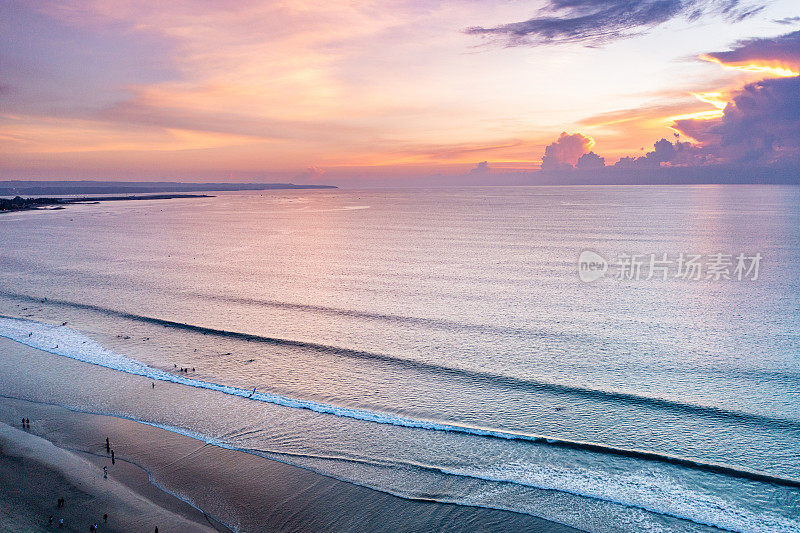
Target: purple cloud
x=480, y=168
x=761, y=125
x=564, y=152
x=783, y=50
x=598, y=22
x=788, y=21
x=590, y=161
x=666, y=153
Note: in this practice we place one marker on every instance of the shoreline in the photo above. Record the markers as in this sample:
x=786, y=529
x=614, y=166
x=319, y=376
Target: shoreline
x=37, y=474
x=252, y=492
x=687, y=462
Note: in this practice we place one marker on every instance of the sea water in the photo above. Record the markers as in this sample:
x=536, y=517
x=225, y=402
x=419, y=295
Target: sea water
x=440, y=343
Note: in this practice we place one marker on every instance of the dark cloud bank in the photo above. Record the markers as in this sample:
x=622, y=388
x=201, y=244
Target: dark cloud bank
x=597, y=22
x=783, y=50
x=756, y=140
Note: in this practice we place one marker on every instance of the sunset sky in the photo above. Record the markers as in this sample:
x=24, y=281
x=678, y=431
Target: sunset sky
x=309, y=91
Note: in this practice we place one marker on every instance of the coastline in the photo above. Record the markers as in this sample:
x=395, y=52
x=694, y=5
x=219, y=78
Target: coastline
x=244, y=491
x=49, y=204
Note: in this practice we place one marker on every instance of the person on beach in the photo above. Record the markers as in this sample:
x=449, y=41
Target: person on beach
x=153, y=384
x=108, y=445
x=105, y=472
x=112, y=457
x=105, y=518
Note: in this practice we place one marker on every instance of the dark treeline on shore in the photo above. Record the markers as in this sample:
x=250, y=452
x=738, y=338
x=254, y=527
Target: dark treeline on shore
x=19, y=203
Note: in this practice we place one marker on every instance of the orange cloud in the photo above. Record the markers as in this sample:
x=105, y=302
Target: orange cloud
x=717, y=99
x=565, y=151
x=771, y=68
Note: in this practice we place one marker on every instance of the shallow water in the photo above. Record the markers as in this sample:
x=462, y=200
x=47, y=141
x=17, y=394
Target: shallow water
x=440, y=344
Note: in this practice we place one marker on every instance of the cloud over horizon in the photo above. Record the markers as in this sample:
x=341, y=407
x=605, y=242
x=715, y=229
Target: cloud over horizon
x=480, y=168
x=761, y=125
x=565, y=151
x=755, y=125
x=600, y=22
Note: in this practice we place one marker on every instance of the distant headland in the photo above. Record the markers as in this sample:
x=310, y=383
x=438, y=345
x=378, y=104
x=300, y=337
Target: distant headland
x=40, y=188
x=18, y=203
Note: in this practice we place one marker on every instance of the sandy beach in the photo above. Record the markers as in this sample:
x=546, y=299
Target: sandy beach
x=63, y=455
x=36, y=474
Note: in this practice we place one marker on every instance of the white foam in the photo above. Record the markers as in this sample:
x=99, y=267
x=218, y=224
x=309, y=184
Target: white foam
x=656, y=493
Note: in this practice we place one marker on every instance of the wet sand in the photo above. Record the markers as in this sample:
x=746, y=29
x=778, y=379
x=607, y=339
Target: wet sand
x=36, y=474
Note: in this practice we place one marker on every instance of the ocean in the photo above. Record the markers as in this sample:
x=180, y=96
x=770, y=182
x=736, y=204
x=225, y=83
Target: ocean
x=442, y=344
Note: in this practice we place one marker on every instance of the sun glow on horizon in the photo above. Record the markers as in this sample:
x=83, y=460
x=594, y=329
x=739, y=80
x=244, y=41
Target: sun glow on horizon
x=716, y=99
x=198, y=89
x=779, y=71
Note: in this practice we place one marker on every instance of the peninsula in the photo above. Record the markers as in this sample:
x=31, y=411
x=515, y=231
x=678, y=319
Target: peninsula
x=18, y=203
